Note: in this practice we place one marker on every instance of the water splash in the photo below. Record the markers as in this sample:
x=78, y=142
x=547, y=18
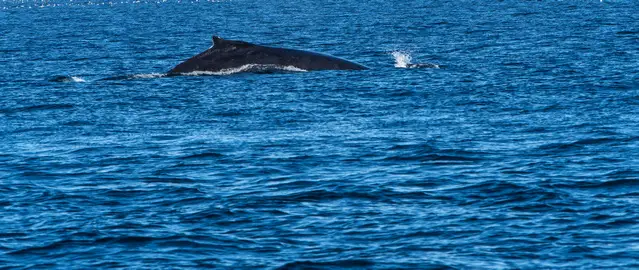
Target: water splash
x=402, y=59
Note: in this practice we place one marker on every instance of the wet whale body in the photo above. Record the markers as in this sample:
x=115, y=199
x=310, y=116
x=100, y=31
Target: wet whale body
x=234, y=54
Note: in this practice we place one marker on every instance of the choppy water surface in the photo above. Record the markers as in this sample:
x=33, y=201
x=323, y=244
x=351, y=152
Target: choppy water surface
x=520, y=151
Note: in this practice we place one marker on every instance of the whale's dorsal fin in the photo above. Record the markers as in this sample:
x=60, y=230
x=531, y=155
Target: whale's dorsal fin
x=220, y=43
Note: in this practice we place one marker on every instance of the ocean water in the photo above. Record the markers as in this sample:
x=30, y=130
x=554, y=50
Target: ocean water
x=518, y=148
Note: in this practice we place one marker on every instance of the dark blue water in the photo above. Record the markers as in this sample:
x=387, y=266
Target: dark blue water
x=521, y=151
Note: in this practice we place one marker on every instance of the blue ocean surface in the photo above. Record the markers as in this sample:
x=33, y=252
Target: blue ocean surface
x=518, y=148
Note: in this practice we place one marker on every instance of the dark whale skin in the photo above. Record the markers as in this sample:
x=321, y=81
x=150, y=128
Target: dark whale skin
x=227, y=54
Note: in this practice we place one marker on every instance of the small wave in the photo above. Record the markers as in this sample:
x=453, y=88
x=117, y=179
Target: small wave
x=577, y=145
x=43, y=248
x=404, y=60
x=42, y=107
x=627, y=32
x=618, y=184
x=206, y=155
x=135, y=76
x=434, y=158
x=148, y=76
x=353, y=263
x=77, y=123
x=66, y=79
x=254, y=68
x=167, y=180
x=428, y=154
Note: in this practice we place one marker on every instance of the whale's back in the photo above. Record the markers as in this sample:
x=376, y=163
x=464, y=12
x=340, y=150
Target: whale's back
x=229, y=54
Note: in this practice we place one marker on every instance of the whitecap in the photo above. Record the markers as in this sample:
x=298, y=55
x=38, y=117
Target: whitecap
x=77, y=79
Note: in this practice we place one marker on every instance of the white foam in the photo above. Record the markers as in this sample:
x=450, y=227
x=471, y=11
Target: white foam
x=292, y=68
x=246, y=68
x=402, y=59
x=77, y=79
x=148, y=76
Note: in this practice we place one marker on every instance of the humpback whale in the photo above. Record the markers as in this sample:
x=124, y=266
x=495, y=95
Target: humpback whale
x=230, y=54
